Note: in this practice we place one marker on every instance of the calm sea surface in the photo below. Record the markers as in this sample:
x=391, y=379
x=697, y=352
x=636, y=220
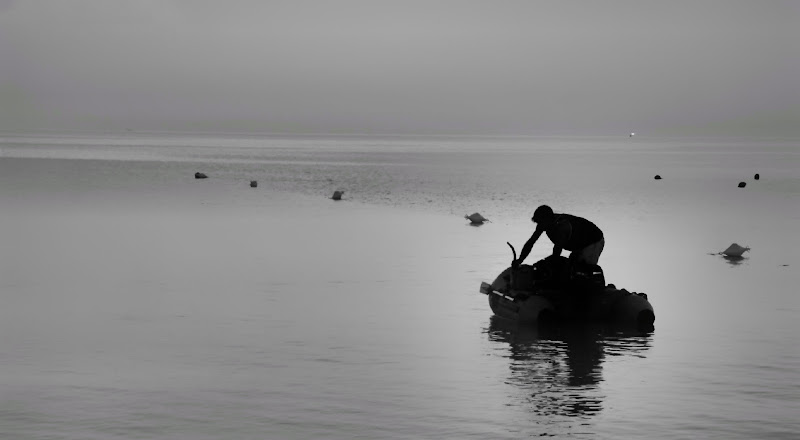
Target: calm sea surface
x=138, y=302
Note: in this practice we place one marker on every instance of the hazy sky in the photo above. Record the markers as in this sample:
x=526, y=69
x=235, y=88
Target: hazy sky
x=406, y=66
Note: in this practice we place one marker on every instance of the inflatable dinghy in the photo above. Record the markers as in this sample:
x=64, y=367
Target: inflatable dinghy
x=554, y=291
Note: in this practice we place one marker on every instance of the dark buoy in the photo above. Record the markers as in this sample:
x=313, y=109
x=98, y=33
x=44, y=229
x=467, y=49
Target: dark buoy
x=200, y=176
x=253, y=184
x=658, y=177
x=337, y=195
x=756, y=176
x=742, y=184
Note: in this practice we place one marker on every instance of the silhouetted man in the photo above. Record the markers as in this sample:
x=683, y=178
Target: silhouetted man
x=581, y=237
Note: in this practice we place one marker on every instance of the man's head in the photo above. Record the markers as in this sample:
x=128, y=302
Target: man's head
x=543, y=215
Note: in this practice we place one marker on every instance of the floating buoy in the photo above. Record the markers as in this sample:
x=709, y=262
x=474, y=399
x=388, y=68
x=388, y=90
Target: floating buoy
x=735, y=250
x=658, y=177
x=337, y=195
x=742, y=184
x=756, y=176
x=200, y=176
x=476, y=219
x=253, y=184
x=632, y=135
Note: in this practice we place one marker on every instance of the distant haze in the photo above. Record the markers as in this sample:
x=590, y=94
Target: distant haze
x=402, y=67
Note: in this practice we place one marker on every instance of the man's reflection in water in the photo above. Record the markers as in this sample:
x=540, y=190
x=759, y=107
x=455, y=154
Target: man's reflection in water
x=559, y=370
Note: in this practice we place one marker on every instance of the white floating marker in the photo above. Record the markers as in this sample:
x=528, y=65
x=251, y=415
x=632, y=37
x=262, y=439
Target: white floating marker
x=476, y=219
x=735, y=250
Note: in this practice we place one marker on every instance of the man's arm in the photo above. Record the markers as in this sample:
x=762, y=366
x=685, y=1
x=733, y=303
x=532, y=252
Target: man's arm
x=526, y=249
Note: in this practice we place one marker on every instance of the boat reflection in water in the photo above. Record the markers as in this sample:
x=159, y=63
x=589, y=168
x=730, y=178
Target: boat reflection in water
x=558, y=370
